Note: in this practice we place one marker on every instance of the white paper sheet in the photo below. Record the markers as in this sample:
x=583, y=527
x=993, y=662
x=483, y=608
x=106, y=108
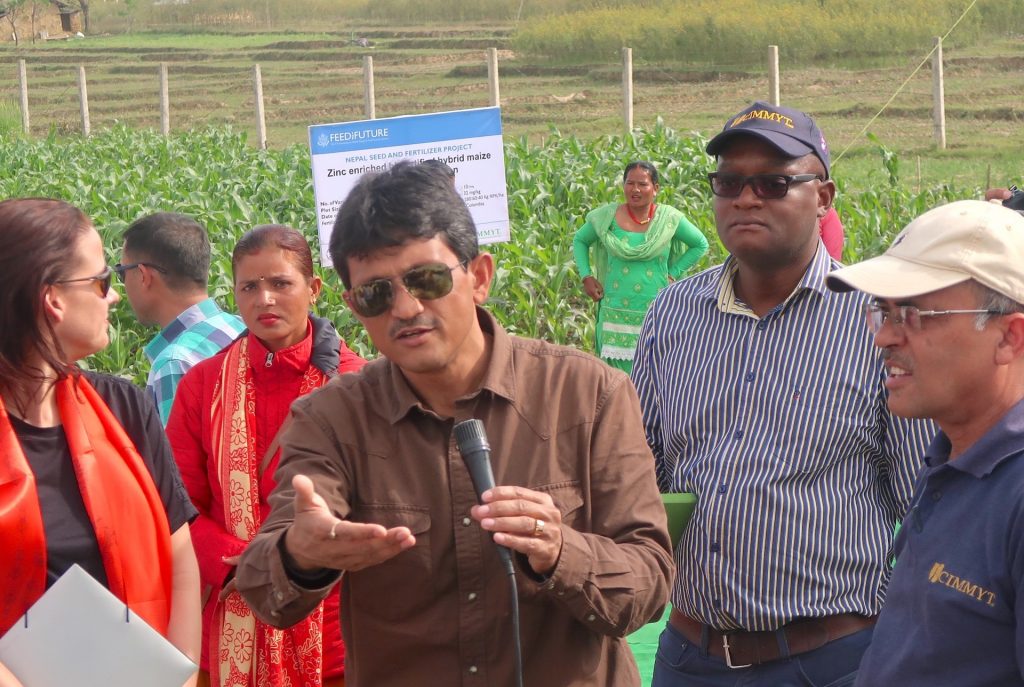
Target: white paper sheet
x=80, y=634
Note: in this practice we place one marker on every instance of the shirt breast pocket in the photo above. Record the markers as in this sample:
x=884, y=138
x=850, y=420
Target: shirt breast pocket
x=568, y=499
x=394, y=589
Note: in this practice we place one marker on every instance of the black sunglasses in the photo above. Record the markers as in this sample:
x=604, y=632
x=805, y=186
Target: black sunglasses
x=103, y=279
x=765, y=186
x=425, y=282
x=120, y=269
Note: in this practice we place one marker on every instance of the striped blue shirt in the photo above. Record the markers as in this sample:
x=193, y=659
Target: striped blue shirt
x=779, y=424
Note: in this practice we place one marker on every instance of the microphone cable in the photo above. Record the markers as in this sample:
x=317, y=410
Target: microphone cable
x=514, y=591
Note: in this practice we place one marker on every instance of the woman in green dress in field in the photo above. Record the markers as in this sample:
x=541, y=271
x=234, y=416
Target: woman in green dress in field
x=626, y=253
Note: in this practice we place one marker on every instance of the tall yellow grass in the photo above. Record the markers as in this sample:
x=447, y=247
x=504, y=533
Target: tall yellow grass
x=334, y=15
x=736, y=33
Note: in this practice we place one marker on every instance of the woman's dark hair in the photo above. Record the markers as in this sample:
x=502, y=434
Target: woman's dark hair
x=276, y=236
x=407, y=202
x=37, y=235
x=641, y=164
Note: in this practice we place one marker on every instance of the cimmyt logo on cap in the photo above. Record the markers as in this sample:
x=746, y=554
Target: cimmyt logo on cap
x=766, y=115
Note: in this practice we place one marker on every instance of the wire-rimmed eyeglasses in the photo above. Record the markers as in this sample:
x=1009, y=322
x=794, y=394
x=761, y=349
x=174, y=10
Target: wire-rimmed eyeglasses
x=909, y=317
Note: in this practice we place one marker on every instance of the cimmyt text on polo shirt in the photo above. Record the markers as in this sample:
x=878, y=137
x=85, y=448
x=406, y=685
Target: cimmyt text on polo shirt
x=939, y=575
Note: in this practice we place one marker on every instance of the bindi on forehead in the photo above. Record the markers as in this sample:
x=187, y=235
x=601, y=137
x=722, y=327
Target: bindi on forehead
x=246, y=279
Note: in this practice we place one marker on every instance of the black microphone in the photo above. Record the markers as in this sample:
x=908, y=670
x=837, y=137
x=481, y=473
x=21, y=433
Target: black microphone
x=471, y=439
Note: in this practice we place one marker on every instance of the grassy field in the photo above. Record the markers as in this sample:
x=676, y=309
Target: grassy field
x=313, y=78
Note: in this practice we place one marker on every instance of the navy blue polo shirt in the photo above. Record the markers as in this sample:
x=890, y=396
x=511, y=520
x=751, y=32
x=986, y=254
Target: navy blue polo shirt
x=954, y=610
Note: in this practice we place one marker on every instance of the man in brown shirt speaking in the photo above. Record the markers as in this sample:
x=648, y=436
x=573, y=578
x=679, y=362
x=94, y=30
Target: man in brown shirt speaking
x=372, y=484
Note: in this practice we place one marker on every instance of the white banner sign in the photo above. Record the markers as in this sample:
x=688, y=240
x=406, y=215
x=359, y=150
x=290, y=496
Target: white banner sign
x=468, y=141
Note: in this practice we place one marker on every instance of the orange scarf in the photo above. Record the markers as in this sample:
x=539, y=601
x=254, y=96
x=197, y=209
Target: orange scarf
x=120, y=497
x=245, y=652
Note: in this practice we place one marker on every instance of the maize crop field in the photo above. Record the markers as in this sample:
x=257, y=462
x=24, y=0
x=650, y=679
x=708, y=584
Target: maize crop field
x=217, y=176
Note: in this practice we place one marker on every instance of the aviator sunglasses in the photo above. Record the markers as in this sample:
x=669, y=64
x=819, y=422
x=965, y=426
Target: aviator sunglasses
x=103, y=279
x=765, y=186
x=424, y=282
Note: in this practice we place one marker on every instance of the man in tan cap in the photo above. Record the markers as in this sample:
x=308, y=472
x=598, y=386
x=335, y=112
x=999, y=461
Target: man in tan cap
x=948, y=314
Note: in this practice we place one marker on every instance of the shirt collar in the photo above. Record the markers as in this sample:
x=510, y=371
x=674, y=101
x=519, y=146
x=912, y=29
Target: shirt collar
x=499, y=378
x=813, y=279
x=1002, y=442
x=203, y=310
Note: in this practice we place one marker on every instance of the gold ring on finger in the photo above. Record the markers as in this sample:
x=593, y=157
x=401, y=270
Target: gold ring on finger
x=538, y=527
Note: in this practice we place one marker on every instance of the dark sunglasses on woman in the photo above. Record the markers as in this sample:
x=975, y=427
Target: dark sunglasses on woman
x=423, y=282
x=103, y=279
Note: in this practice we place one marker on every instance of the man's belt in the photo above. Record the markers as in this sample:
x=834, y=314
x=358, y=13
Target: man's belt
x=742, y=649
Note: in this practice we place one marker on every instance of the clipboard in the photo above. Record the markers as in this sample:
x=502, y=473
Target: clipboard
x=78, y=633
x=679, y=507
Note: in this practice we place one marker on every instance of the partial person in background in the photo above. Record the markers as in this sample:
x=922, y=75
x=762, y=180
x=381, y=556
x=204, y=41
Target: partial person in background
x=830, y=228
x=1012, y=197
x=165, y=266
x=224, y=429
x=626, y=253
x=999, y=194
x=70, y=439
x=800, y=471
x=947, y=310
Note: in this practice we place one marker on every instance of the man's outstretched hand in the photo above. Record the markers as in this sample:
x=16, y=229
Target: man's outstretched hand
x=318, y=540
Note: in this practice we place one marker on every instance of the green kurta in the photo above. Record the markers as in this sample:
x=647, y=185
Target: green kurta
x=632, y=267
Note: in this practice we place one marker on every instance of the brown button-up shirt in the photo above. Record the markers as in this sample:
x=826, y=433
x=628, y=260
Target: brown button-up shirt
x=558, y=421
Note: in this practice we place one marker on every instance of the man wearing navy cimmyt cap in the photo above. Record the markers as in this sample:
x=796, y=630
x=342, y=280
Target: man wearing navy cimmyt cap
x=763, y=394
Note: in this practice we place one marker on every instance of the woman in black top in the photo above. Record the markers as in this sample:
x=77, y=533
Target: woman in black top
x=86, y=474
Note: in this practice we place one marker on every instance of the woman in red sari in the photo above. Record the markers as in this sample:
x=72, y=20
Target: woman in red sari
x=224, y=429
x=71, y=439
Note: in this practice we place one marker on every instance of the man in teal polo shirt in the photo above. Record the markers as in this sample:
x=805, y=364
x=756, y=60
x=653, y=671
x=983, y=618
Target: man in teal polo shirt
x=165, y=266
x=948, y=314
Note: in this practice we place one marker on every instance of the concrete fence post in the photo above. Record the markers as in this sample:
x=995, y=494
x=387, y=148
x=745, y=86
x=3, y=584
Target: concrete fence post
x=773, y=75
x=261, y=118
x=370, y=105
x=627, y=88
x=83, y=100
x=165, y=102
x=492, y=76
x=938, y=96
x=23, y=90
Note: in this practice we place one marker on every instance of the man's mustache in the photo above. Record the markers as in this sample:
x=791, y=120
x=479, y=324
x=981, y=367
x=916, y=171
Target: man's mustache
x=420, y=320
